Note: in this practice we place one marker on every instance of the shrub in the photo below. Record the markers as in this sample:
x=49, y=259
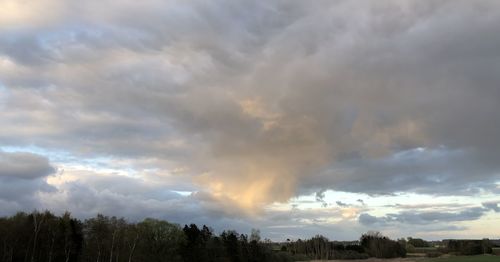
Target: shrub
x=282, y=257
x=356, y=248
x=410, y=248
x=471, y=249
x=443, y=250
x=379, y=246
x=339, y=247
x=349, y=254
x=433, y=254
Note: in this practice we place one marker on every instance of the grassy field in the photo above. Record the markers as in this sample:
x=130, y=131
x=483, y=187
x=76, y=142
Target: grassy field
x=424, y=249
x=482, y=258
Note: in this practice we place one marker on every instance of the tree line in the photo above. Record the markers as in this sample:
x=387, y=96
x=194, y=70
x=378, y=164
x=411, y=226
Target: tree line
x=371, y=244
x=43, y=236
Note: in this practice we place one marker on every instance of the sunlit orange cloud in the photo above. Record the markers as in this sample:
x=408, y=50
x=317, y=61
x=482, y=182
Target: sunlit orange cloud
x=287, y=150
x=250, y=191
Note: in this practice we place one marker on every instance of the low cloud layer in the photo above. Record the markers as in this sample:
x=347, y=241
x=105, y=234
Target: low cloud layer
x=250, y=104
x=415, y=217
x=22, y=178
x=24, y=166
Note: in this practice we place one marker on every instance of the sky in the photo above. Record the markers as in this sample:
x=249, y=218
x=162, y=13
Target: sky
x=294, y=117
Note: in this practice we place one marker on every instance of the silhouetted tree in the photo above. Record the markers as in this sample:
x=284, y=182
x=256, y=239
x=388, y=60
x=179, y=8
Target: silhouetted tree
x=377, y=245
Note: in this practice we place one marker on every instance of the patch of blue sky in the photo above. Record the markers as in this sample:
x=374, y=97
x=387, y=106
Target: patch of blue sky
x=425, y=153
x=51, y=154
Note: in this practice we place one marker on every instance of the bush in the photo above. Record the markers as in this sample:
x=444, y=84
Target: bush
x=349, y=254
x=301, y=257
x=443, y=250
x=339, y=247
x=282, y=257
x=410, y=248
x=471, y=249
x=356, y=248
x=379, y=246
x=433, y=254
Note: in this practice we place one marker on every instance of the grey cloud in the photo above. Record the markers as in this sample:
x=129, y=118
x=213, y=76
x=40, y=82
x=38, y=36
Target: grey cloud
x=416, y=217
x=22, y=179
x=86, y=193
x=138, y=198
x=433, y=206
x=492, y=206
x=367, y=219
x=341, y=204
x=24, y=49
x=24, y=166
x=320, y=196
x=420, y=170
x=281, y=97
x=385, y=223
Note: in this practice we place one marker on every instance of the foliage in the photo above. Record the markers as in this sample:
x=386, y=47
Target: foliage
x=46, y=237
x=417, y=242
x=43, y=236
x=379, y=246
x=40, y=237
x=470, y=247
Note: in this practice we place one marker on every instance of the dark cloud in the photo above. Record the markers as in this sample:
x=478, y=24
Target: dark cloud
x=420, y=170
x=24, y=166
x=368, y=220
x=22, y=179
x=417, y=217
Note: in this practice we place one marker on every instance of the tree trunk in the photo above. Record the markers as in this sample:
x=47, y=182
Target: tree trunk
x=4, y=256
x=37, y=227
x=12, y=254
x=112, y=246
x=133, y=248
x=67, y=253
x=51, y=248
x=98, y=251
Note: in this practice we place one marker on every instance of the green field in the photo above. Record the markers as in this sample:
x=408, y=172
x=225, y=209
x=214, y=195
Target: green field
x=424, y=249
x=482, y=258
